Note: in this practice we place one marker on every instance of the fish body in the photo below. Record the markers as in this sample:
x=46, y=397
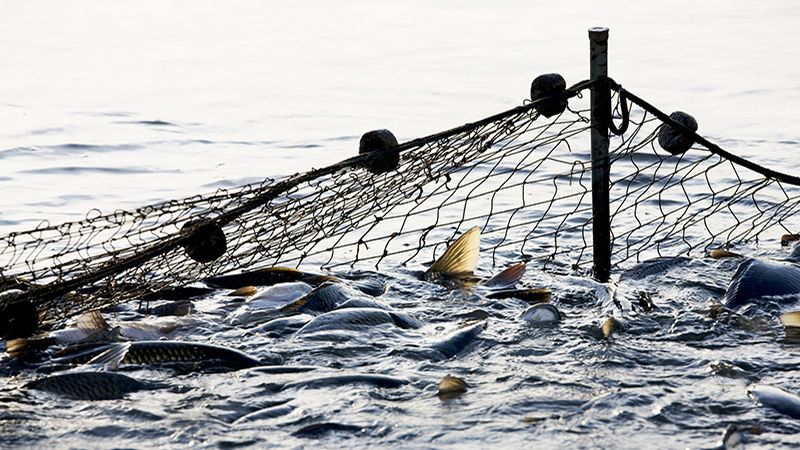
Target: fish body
x=279, y=295
x=782, y=401
x=456, y=341
x=263, y=306
x=756, y=278
x=322, y=299
x=456, y=267
x=90, y=327
x=197, y=354
x=90, y=385
x=353, y=318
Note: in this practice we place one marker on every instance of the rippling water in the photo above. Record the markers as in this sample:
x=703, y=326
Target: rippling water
x=118, y=105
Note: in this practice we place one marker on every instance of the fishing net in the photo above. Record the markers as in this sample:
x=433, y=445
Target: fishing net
x=523, y=176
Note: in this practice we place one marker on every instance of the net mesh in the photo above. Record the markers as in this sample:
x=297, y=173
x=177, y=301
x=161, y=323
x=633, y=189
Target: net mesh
x=523, y=178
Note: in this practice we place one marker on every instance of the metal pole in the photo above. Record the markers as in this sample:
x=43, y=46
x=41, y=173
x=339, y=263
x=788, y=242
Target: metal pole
x=601, y=114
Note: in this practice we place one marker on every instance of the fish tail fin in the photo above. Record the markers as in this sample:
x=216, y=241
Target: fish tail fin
x=609, y=327
x=719, y=253
x=791, y=319
x=508, y=278
x=17, y=347
x=461, y=257
x=93, y=321
x=112, y=357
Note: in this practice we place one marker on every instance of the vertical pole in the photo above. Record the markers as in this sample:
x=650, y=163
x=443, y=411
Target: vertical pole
x=601, y=114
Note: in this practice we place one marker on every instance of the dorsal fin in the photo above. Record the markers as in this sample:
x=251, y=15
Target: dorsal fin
x=17, y=347
x=508, y=278
x=92, y=321
x=461, y=257
x=112, y=357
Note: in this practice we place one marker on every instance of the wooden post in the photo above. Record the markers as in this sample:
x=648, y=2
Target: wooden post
x=601, y=114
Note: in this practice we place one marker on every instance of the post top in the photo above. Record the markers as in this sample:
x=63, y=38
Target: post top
x=598, y=33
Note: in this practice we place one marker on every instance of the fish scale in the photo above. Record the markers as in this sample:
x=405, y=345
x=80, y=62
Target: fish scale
x=89, y=385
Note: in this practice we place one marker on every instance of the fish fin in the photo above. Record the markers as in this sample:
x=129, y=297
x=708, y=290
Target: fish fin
x=533, y=296
x=609, y=327
x=244, y=291
x=93, y=321
x=17, y=347
x=791, y=319
x=508, y=278
x=461, y=257
x=719, y=253
x=112, y=357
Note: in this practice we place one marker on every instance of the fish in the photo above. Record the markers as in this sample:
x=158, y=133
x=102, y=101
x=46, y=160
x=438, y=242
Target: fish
x=533, y=296
x=176, y=308
x=458, y=263
x=269, y=412
x=89, y=327
x=382, y=381
x=359, y=302
x=459, y=260
x=456, y=341
x=451, y=387
x=351, y=318
x=284, y=325
x=322, y=299
x=776, y=398
x=757, y=278
x=265, y=277
x=316, y=430
x=542, y=314
x=272, y=298
x=195, y=354
x=90, y=385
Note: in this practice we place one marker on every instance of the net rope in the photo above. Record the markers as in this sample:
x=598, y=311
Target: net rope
x=523, y=178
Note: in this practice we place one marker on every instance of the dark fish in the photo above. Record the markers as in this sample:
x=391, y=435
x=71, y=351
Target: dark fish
x=381, y=381
x=90, y=385
x=364, y=303
x=90, y=327
x=655, y=266
x=373, y=287
x=756, y=278
x=284, y=325
x=784, y=402
x=178, y=308
x=456, y=341
x=459, y=260
x=266, y=413
x=351, y=318
x=321, y=299
x=539, y=295
x=320, y=429
x=265, y=277
x=199, y=355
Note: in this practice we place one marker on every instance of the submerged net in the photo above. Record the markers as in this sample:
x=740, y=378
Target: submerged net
x=523, y=178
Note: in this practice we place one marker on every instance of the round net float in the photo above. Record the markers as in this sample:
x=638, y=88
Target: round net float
x=549, y=85
x=382, y=146
x=673, y=140
x=205, y=242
